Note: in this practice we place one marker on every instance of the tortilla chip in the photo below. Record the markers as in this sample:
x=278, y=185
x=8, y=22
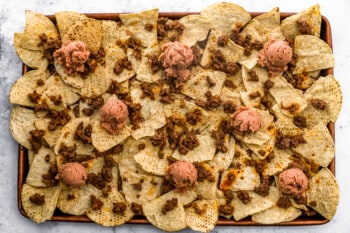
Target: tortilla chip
x=39, y=213
x=140, y=188
x=312, y=16
x=105, y=216
x=88, y=31
x=66, y=91
x=239, y=179
x=326, y=89
x=231, y=51
x=113, y=32
x=257, y=204
x=313, y=54
x=276, y=215
x=21, y=123
x=25, y=85
x=76, y=201
x=38, y=23
x=173, y=220
x=289, y=100
x=197, y=86
x=67, y=137
x=226, y=16
x=136, y=23
x=319, y=146
x=323, y=193
x=40, y=166
x=196, y=28
x=223, y=160
x=285, y=124
x=203, y=222
x=279, y=162
x=66, y=19
x=144, y=71
x=33, y=58
x=113, y=55
x=207, y=188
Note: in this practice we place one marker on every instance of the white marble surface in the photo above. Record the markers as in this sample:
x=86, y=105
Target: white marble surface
x=12, y=20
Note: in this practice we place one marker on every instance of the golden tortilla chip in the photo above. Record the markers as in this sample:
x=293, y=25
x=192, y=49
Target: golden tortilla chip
x=276, y=215
x=66, y=19
x=140, y=188
x=310, y=16
x=197, y=86
x=40, y=166
x=257, y=203
x=279, y=162
x=207, y=188
x=196, y=28
x=222, y=160
x=173, y=220
x=319, y=146
x=39, y=213
x=289, y=100
x=226, y=16
x=206, y=220
x=21, y=123
x=312, y=54
x=144, y=71
x=114, y=54
x=113, y=32
x=323, y=193
x=235, y=179
x=86, y=30
x=25, y=85
x=38, y=23
x=106, y=216
x=137, y=24
x=33, y=58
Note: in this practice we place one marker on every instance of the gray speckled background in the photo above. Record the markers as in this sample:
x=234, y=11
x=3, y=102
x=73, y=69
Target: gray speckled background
x=12, y=20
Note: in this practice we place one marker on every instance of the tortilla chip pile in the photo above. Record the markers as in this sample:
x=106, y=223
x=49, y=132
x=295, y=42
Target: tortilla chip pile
x=56, y=118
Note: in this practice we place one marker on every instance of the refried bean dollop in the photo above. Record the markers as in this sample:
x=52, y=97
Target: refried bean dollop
x=244, y=119
x=176, y=57
x=293, y=181
x=182, y=174
x=113, y=115
x=73, y=174
x=275, y=56
x=72, y=56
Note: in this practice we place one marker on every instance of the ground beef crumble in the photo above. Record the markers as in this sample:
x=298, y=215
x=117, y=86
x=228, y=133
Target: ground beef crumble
x=169, y=205
x=37, y=199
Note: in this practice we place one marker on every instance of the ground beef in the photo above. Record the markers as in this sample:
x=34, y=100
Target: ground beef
x=34, y=97
x=246, y=42
x=203, y=173
x=218, y=62
x=49, y=177
x=119, y=207
x=135, y=45
x=200, y=210
x=135, y=115
x=136, y=208
x=57, y=118
x=243, y=196
x=287, y=142
x=76, y=111
x=254, y=95
x=230, y=84
x=264, y=187
x=229, y=106
x=188, y=142
x=304, y=27
x=253, y=76
x=166, y=96
x=149, y=27
x=211, y=82
x=109, y=161
x=222, y=40
x=226, y=209
x=194, y=116
x=268, y=84
x=122, y=64
x=37, y=199
x=318, y=103
x=95, y=101
x=96, y=180
x=197, y=56
x=106, y=174
x=83, y=134
x=213, y=101
x=96, y=203
x=169, y=205
x=284, y=202
x=219, y=136
x=159, y=138
x=300, y=121
x=87, y=111
x=228, y=194
x=36, y=139
x=291, y=108
x=164, y=25
x=68, y=152
x=50, y=45
x=147, y=91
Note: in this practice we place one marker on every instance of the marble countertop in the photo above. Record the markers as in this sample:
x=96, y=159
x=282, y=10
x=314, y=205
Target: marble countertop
x=12, y=20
